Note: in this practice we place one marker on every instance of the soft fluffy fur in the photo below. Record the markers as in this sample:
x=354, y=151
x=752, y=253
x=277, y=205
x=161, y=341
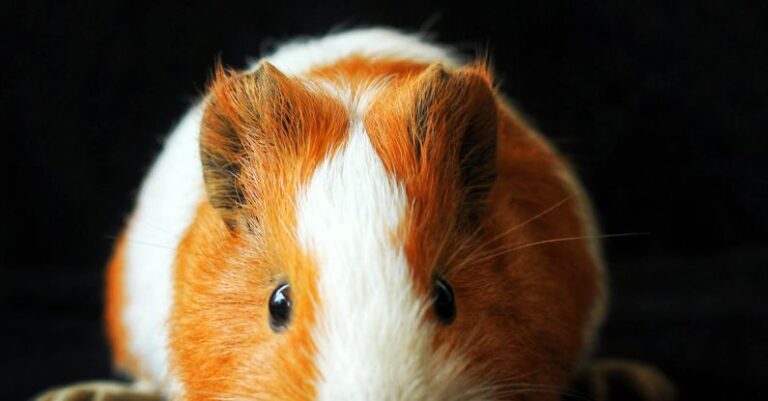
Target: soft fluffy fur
x=358, y=168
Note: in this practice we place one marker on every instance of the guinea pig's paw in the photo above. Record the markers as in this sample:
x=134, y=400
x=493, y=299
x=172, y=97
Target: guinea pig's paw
x=624, y=380
x=99, y=391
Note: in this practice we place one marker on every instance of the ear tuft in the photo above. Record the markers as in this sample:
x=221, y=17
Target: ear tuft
x=221, y=147
x=435, y=72
x=238, y=110
x=455, y=124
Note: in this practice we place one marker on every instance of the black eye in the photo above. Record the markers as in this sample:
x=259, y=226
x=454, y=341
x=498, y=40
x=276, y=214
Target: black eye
x=280, y=307
x=444, y=302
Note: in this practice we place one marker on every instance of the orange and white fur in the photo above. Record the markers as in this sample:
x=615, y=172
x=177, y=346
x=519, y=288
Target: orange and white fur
x=359, y=168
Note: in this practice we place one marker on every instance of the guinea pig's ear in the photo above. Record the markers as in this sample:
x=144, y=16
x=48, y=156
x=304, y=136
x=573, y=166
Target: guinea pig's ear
x=233, y=121
x=456, y=124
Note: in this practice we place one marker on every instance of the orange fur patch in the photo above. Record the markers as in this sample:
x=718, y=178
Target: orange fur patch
x=115, y=303
x=222, y=343
x=357, y=69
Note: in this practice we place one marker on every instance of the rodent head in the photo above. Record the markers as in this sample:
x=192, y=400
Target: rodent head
x=355, y=244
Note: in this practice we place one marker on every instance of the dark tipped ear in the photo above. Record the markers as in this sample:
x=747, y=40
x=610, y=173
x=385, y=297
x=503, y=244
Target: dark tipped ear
x=458, y=108
x=233, y=120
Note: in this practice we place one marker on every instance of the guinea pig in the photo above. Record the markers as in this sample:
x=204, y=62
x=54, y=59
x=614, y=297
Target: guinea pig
x=364, y=217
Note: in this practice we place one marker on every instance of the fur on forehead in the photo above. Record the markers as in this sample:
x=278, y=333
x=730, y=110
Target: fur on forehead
x=264, y=133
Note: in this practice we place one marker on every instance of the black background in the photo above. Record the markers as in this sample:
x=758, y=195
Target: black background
x=662, y=106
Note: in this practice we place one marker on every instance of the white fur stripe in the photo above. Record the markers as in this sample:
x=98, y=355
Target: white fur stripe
x=370, y=336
